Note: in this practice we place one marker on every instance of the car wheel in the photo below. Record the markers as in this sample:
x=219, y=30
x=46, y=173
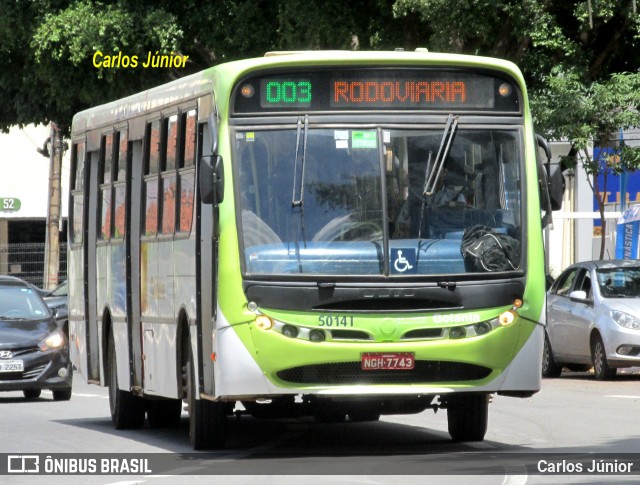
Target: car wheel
x=467, y=416
x=601, y=367
x=127, y=410
x=31, y=393
x=62, y=394
x=549, y=366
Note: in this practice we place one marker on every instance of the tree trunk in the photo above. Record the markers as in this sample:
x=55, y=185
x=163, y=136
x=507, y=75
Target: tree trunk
x=600, y=200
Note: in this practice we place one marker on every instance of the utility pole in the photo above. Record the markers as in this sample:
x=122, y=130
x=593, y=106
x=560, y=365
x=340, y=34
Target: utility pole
x=52, y=238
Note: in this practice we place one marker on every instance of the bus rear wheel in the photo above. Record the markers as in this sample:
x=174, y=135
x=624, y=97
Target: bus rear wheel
x=127, y=410
x=467, y=416
x=208, y=427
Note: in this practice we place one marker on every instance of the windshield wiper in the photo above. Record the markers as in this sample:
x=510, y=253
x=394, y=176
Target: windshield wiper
x=298, y=202
x=432, y=176
x=424, y=197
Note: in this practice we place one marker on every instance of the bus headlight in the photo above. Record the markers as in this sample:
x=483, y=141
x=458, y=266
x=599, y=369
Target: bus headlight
x=290, y=331
x=507, y=318
x=317, y=336
x=252, y=306
x=474, y=330
x=482, y=328
x=263, y=322
x=457, y=332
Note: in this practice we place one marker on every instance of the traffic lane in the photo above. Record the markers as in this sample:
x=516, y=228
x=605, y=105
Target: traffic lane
x=572, y=413
x=558, y=419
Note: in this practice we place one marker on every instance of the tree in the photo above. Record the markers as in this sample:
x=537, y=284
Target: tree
x=580, y=63
x=592, y=115
x=47, y=46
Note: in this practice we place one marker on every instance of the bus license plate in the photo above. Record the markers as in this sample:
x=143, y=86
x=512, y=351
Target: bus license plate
x=388, y=361
x=11, y=366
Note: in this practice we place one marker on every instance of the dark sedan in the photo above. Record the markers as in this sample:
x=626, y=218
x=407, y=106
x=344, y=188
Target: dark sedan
x=56, y=299
x=34, y=351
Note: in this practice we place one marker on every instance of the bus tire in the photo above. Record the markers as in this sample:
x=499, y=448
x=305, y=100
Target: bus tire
x=208, y=427
x=127, y=410
x=467, y=416
x=164, y=413
x=549, y=366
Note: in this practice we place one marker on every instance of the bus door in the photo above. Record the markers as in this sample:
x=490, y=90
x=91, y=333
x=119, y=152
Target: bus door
x=90, y=272
x=206, y=251
x=77, y=267
x=135, y=172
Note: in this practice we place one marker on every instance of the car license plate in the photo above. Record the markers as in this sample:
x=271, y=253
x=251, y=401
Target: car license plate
x=11, y=366
x=388, y=361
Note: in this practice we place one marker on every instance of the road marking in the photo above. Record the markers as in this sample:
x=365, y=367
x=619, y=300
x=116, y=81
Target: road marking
x=78, y=394
x=515, y=479
x=90, y=395
x=127, y=483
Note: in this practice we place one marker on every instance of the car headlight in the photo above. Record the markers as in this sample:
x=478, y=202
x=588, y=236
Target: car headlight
x=625, y=320
x=55, y=340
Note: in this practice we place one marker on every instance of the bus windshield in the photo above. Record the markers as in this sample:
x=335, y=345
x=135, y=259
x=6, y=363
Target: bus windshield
x=375, y=201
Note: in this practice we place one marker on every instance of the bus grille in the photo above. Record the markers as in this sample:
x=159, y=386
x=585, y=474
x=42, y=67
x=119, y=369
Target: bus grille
x=425, y=371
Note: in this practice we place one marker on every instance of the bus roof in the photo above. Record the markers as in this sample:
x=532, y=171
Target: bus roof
x=225, y=75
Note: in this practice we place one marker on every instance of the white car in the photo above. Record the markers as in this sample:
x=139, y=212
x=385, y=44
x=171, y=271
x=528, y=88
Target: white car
x=593, y=319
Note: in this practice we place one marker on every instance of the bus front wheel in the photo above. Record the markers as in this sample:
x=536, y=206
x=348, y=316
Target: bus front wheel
x=127, y=410
x=467, y=416
x=208, y=428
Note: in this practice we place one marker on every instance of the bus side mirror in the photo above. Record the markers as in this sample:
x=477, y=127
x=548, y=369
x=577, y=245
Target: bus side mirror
x=211, y=179
x=555, y=179
x=556, y=186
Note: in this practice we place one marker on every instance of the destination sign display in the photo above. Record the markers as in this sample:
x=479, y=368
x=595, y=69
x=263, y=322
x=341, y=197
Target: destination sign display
x=376, y=89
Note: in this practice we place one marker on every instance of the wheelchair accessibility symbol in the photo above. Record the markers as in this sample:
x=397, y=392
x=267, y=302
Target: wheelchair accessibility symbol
x=404, y=261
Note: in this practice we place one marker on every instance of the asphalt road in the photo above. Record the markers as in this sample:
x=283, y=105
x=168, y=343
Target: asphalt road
x=572, y=418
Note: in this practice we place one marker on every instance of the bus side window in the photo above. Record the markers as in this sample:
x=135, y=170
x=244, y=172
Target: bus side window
x=152, y=166
x=119, y=190
x=169, y=179
x=186, y=170
x=104, y=179
x=77, y=186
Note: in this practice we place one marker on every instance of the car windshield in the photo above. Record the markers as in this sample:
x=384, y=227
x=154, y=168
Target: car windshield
x=20, y=303
x=619, y=282
x=61, y=290
x=333, y=201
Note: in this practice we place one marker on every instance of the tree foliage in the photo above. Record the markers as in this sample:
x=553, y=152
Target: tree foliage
x=593, y=114
x=47, y=45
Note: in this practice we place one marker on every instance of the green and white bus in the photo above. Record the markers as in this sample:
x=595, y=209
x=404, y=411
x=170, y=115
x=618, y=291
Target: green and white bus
x=334, y=234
